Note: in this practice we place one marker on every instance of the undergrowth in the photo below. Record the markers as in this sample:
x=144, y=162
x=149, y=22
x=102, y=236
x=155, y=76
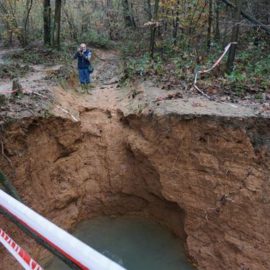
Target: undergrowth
x=174, y=67
x=11, y=71
x=43, y=55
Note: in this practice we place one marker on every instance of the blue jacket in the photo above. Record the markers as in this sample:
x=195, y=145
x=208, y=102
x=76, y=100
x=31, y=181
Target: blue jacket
x=83, y=62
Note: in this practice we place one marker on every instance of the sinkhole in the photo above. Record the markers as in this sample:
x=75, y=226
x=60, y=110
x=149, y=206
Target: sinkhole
x=133, y=242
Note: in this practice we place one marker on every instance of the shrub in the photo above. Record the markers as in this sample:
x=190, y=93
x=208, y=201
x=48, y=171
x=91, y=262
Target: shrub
x=95, y=39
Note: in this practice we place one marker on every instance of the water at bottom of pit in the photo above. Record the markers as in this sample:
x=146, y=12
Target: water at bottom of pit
x=132, y=242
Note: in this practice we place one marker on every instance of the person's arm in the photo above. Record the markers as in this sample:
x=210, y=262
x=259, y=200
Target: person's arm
x=89, y=55
x=77, y=54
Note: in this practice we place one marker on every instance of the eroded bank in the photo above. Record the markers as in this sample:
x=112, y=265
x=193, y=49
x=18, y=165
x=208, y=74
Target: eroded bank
x=205, y=177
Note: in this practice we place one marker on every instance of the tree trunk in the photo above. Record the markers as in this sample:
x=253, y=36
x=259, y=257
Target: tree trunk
x=154, y=29
x=176, y=24
x=210, y=21
x=234, y=38
x=57, y=20
x=132, y=16
x=225, y=32
x=217, y=30
x=148, y=10
x=128, y=17
x=47, y=21
x=29, y=6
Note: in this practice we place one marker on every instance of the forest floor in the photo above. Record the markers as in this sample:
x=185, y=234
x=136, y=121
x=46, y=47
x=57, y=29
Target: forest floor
x=52, y=86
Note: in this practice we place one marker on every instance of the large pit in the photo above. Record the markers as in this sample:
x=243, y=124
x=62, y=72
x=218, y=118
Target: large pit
x=133, y=242
x=205, y=178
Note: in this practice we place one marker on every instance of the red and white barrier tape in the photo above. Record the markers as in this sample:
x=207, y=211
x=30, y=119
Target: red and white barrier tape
x=73, y=249
x=18, y=253
x=210, y=69
x=8, y=92
x=3, y=92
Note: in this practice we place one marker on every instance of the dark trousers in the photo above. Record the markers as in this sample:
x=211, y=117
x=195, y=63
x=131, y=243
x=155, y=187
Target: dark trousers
x=84, y=76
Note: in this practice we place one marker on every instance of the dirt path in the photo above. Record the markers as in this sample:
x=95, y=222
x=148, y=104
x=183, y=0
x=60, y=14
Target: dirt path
x=105, y=91
x=144, y=97
x=105, y=78
x=34, y=81
x=41, y=93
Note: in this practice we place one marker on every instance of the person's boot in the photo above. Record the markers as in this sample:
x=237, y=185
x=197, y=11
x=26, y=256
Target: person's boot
x=88, y=88
x=83, y=88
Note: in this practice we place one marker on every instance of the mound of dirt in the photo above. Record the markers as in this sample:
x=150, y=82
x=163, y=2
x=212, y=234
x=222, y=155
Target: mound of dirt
x=25, y=105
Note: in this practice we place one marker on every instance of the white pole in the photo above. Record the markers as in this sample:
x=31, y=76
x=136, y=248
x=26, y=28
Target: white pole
x=76, y=251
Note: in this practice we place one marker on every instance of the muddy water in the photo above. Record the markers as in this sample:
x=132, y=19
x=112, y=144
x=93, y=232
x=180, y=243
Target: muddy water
x=133, y=242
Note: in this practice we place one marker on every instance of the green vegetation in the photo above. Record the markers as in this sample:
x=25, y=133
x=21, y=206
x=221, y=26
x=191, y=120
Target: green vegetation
x=96, y=40
x=41, y=55
x=163, y=41
x=172, y=66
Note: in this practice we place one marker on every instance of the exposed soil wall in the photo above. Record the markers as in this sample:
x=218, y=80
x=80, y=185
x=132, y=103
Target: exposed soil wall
x=206, y=178
x=217, y=170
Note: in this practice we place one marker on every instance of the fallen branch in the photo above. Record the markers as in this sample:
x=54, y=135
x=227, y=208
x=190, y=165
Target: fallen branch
x=249, y=18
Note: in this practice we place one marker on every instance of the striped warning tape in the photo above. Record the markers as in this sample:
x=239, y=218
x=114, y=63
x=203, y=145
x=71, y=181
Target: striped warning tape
x=18, y=253
x=70, y=247
x=7, y=91
x=210, y=69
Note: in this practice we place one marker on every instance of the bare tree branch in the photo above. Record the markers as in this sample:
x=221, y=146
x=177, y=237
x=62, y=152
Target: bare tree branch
x=249, y=18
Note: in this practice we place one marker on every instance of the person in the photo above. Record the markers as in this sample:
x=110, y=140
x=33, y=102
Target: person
x=83, y=55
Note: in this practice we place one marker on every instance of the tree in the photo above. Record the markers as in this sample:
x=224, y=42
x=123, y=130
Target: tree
x=128, y=16
x=210, y=21
x=254, y=21
x=8, y=12
x=57, y=22
x=176, y=23
x=154, y=29
x=29, y=5
x=47, y=21
x=234, y=38
x=217, y=30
